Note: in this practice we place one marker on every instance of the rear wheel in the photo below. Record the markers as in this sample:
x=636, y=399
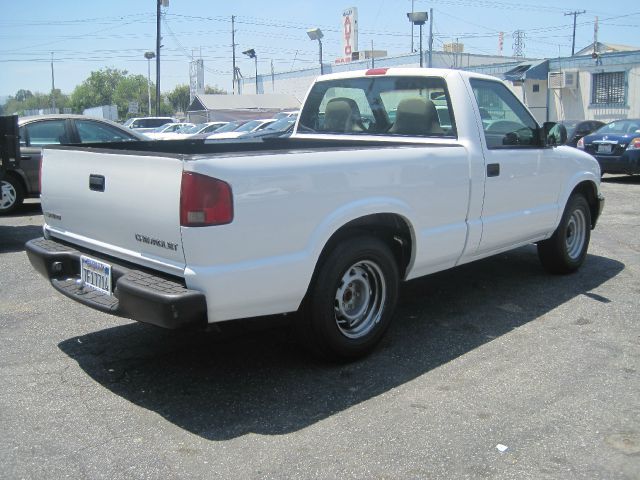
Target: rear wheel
x=12, y=195
x=567, y=248
x=352, y=299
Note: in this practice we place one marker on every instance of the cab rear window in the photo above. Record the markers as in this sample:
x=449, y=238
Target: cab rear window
x=381, y=105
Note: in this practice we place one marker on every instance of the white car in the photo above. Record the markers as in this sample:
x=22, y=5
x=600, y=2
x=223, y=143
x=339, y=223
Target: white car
x=249, y=127
x=165, y=132
x=198, y=129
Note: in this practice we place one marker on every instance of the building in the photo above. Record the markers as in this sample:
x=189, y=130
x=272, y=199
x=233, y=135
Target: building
x=603, y=87
x=209, y=108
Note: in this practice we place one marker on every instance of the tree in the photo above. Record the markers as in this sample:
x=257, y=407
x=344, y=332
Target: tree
x=99, y=89
x=179, y=98
x=22, y=95
x=112, y=86
x=25, y=100
x=215, y=90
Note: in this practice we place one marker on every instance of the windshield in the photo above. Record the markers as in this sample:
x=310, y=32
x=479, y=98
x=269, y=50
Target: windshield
x=621, y=127
x=249, y=126
x=229, y=127
x=280, y=125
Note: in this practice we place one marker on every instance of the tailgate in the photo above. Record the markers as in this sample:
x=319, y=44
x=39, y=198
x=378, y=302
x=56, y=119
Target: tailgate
x=125, y=204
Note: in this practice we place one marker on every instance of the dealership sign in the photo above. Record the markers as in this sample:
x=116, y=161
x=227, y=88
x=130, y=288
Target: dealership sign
x=349, y=34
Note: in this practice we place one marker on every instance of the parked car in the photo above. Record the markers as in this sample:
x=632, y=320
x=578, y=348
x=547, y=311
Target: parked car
x=166, y=131
x=576, y=129
x=616, y=146
x=248, y=127
x=292, y=113
x=199, y=129
x=279, y=128
x=146, y=124
x=36, y=132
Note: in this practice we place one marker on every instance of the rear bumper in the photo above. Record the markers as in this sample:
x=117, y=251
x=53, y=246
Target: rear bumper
x=628, y=162
x=138, y=294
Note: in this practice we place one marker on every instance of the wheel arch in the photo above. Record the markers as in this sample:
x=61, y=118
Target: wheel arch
x=393, y=229
x=589, y=190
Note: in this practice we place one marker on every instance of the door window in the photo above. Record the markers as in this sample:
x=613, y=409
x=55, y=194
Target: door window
x=94, y=132
x=47, y=132
x=506, y=122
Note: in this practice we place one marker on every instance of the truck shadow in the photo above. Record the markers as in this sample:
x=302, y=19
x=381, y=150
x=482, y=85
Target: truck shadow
x=12, y=239
x=222, y=386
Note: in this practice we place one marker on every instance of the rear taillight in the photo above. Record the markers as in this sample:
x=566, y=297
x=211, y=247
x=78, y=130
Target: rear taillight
x=634, y=144
x=580, y=144
x=204, y=201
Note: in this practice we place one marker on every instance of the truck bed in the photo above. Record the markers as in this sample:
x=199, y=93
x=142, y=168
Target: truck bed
x=262, y=146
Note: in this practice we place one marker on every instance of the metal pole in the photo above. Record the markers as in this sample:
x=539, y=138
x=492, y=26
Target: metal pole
x=421, y=61
x=430, y=35
x=233, y=46
x=412, y=25
x=158, y=58
x=53, y=86
x=573, y=43
x=149, y=84
x=321, y=67
x=256, y=58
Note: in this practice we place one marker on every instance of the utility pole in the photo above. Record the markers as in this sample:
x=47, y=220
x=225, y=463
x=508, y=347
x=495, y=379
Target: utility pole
x=158, y=38
x=233, y=47
x=53, y=86
x=573, y=43
x=273, y=78
x=430, y=36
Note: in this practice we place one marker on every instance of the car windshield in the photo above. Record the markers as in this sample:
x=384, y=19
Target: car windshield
x=280, y=125
x=249, y=126
x=128, y=122
x=621, y=127
x=229, y=127
x=193, y=128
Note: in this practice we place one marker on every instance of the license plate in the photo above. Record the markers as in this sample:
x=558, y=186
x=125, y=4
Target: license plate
x=604, y=148
x=95, y=274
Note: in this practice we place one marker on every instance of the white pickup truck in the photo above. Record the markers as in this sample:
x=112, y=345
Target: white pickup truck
x=390, y=174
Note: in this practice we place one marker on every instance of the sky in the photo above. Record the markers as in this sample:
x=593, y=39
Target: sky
x=84, y=36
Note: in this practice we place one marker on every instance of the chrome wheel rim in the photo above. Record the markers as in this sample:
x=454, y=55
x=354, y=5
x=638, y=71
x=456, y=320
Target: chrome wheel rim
x=360, y=299
x=576, y=234
x=9, y=195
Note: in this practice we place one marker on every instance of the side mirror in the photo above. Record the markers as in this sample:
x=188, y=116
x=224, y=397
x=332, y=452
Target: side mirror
x=554, y=133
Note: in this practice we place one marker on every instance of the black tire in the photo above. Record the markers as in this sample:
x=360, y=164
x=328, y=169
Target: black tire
x=11, y=194
x=362, y=273
x=567, y=248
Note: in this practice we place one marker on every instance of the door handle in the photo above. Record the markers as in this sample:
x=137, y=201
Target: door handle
x=25, y=157
x=493, y=169
x=96, y=183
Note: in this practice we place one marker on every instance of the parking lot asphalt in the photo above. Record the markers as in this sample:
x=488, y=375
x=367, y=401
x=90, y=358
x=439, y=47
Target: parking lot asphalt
x=491, y=370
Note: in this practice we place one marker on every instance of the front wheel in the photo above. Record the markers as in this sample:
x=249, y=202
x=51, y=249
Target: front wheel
x=11, y=195
x=567, y=248
x=352, y=299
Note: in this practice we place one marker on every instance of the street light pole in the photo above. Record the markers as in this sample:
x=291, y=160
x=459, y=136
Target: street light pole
x=251, y=53
x=159, y=2
x=149, y=55
x=419, y=18
x=316, y=34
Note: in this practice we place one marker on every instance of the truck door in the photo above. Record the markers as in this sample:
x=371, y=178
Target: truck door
x=522, y=182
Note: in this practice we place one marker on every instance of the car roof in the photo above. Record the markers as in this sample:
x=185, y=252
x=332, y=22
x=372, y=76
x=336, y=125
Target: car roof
x=72, y=116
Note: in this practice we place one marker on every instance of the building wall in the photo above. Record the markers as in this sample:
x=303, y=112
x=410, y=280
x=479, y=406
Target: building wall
x=576, y=104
